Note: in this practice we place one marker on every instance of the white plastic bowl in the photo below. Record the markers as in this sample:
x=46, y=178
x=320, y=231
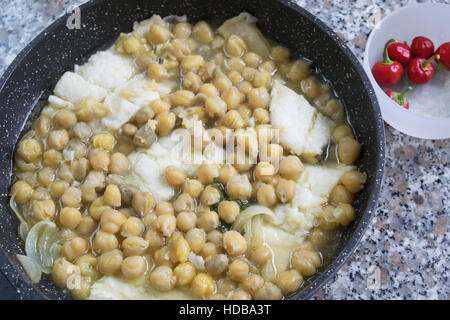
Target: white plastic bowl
x=429, y=20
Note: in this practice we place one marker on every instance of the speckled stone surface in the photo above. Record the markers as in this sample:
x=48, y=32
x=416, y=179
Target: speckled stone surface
x=405, y=252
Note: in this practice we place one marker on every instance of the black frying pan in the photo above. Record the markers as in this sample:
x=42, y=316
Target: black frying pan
x=38, y=67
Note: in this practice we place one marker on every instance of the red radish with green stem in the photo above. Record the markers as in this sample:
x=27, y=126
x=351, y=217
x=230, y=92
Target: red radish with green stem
x=420, y=70
x=443, y=57
x=387, y=72
x=399, y=97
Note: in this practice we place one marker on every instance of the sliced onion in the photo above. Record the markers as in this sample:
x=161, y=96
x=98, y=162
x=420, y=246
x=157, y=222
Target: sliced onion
x=39, y=243
x=23, y=227
x=31, y=267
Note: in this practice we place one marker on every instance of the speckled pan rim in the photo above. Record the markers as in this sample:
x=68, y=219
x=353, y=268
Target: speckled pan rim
x=30, y=292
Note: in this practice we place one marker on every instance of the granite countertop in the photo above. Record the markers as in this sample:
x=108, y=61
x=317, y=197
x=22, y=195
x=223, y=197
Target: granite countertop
x=406, y=249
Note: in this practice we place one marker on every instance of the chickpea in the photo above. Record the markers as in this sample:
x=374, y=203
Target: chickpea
x=51, y=158
x=112, y=196
x=196, y=239
x=22, y=191
x=203, y=32
x=235, y=77
x=209, y=249
x=132, y=227
x=342, y=131
x=261, y=255
x=345, y=214
x=228, y=211
x=310, y=87
x=268, y=291
x=69, y=218
x=252, y=59
x=183, y=98
x=210, y=196
x=57, y=139
x=235, y=46
x=71, y=197
x=80, y=168
x=233, y=120
x=81, y=130
x=174, y=176
x=142, y=202
x=162, y=278
x=306, y=261
x=285, y=190
x=239, y=187
x=340, y=194
x=74, y=248
x=42, y=126
x=238, y=270
x=133, y=267
x=143, y=115
x=202, y=285
x=157, y=71
x=110, y=262
x=222, y=82
x=234, y=243
x=162, y=257
x=99, y=160
x=266, y=195
x=104, y=242
x=150, y=220
x=261, y=116
x=119, y=163
x=165, y=123
x=289, y=281
x=249, y=74
x=184, y=273
x=65, y=119
x=112, y=220
x=208, y=221
x=86, y=226
x=268, y=66
x=216, y=264
x=57, y=188
x=158, y=34
x=192, y=63
x=192, y=82
x=232, y=97
x=30, y=149
x=62, y=270
x=167, y=224
x=226, y=172
x=253, y=283
x=259, y=98
x=264, y=170
x=184, y=202
x=88, y=266
x=262, y=79
x=89, y=108
x=182, y=30
x=159, y=106
x=207, y=172
x=186, y=220
x=209, y=90
x=193, y=187
x=134, y=246
x=291, y=167
x=154, y=239
x=215, y=107
x=245, y=87
x=164, y=207
x=280, y=54
x=348, y=150
x=181, y=250
x=354, y=180
x=299, y=70
x=44, y=210
x=327, y=218
x=216, y=237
